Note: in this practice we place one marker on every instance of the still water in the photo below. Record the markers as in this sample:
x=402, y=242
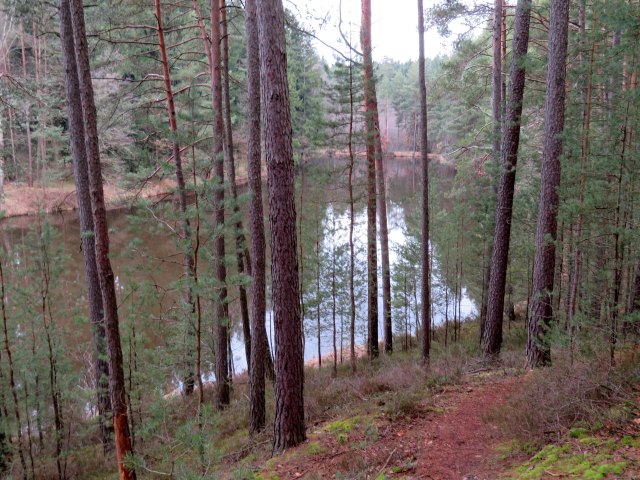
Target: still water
x=146, y=258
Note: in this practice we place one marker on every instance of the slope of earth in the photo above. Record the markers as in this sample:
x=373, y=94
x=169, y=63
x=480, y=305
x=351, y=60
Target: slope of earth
x=442, y=437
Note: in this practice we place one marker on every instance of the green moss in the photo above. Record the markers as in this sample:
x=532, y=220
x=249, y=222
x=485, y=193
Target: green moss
x=562, y=461
x=590, y=441
x=548, y=451
x=629, y=441
x=578, y=432
x=343, y=426
x=591, y=474
x=612, y=468
x=315, y=448
x=579, y=467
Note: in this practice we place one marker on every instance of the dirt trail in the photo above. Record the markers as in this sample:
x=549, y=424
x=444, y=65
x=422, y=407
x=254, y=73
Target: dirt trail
x=447, y=439
x=459, y=443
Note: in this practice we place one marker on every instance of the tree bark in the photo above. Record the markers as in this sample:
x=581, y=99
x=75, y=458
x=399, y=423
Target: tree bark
x=12, y=381
x=101, y=236
x=497, y=106
x=221, y=308
x=289, y=427
x=635, y=297
x=370, y=108
x=81, y=177
x=492, y=335
x=241, y=241
x=426, y=270
x=27, y=110
x=574, y=290
x=256, y=221
x=538, y=349
x=384, y=235
x=189, y=379
x=352, y=256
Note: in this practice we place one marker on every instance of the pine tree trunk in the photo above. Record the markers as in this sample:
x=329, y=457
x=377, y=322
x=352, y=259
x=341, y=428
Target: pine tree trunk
x=81, y=177
x=259, y=346
x=492, y=335
x=497, y=105
x=584, y=158
x=425, y=292
x=105, y=273
x=289, y=427
x=635, y=298
x=12, y=381
x=384, y=237
x=12, y=140
x=352, y=256
x=370, y=132
x=26, y=110
x=333, y=303
x=221, y=307
x=538, y=350
x=2, y=156
x=241, y=242
x=318, y=302
x=189, y=377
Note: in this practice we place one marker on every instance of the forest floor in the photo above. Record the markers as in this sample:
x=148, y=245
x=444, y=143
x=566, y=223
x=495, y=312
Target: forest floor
x=444, y=437
x=393, y=419
x=452, y=434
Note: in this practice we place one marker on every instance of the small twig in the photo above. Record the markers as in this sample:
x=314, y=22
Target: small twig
x=247, y=448
x=386, y=463
x=552, y=474
x=144, y=183
x=61, y=202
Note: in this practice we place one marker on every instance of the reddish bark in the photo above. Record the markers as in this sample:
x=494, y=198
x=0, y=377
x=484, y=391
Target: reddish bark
x=370, y=108
x=425, y=292
x=189, y=263
x=221, y=308
x=81, y=177
x=242, y=252
x=492, y=335
x=538, y=351
x=257, y=415
x=101, y=236
x=289, y=425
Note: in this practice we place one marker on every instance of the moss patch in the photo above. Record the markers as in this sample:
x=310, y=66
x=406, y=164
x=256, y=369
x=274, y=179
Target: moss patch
x=314, y=448
x=343, y=426
x=568, y=461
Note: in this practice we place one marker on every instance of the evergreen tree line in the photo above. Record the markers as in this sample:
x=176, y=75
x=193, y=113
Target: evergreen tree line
x=535, y=115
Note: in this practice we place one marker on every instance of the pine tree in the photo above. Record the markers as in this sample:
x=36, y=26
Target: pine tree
x=289, y=426
x=538, y=350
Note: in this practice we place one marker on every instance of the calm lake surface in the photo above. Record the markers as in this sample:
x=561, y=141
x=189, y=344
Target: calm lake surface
x=147, y=265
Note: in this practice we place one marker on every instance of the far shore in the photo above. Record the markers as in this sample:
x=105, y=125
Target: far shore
x=21, y=200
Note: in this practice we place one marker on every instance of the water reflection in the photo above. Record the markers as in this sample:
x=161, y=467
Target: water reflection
x=146, y=251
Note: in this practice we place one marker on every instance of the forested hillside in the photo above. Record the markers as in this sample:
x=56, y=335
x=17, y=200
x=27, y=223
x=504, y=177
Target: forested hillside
x=225, y=255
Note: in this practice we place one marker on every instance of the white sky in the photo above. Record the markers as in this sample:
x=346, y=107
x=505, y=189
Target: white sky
x=394, y=27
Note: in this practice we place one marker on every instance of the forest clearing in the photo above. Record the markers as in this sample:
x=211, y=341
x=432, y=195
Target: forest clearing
x=341, y=239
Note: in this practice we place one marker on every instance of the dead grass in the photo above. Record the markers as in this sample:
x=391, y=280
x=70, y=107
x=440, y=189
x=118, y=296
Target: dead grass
x=21, y=200
x=552, y=400
x=392, y=387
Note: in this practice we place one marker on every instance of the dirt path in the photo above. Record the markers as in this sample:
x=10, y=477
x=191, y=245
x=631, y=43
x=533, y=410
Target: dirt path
x=459, y=443
x=447, y=438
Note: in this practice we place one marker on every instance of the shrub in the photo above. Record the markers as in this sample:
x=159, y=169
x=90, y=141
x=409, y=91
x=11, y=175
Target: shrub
x=555, y=399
